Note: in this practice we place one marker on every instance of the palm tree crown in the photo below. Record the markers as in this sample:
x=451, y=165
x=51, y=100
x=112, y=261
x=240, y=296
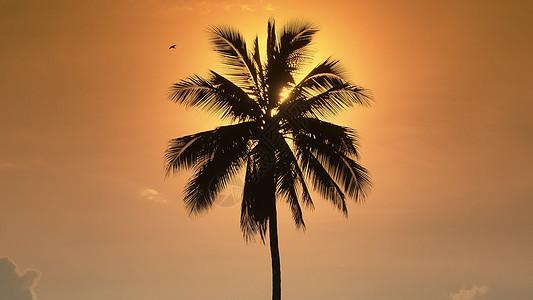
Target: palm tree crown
x=278, y=135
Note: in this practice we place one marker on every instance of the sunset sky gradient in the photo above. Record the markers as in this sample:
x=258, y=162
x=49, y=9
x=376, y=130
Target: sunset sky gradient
x=84, y=121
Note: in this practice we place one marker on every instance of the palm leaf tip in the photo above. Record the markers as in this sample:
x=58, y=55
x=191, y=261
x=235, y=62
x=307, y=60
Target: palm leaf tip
x=296, y=36
x=230, y=45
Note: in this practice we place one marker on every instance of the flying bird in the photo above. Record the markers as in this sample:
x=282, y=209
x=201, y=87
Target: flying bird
x=172, y=47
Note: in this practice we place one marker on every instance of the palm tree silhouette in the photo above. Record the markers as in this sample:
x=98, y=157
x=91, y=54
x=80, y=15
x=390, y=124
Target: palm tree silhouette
x=278, y=135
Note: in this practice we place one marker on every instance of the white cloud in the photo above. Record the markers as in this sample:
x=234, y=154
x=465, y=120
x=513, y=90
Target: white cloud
x=470, y=294
x=16, y=284
x=152, y=195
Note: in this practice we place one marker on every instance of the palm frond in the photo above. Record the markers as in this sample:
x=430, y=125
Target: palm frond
x=327, y=100
x=352, y=176
x=193, y=150
x=242, y=106
x=213, y=175
x=294, y=44
x=288, y=177
x=287, y=155
x=286, y=188
x=320, y=178
x=185, y=152
x=318, y=77
x=261, y=73
x=327, y=79
x=272, y=46
x=231, y=46
x=343, y=139
x=217, y=95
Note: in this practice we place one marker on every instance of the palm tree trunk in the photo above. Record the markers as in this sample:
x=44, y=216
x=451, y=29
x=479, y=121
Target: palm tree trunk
x=274, y=255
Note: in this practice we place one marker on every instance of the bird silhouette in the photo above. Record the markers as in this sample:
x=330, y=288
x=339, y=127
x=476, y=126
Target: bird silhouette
x=172, y=47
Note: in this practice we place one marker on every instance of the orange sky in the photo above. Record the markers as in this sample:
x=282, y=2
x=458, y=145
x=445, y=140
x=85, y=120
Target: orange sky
x=84, y=121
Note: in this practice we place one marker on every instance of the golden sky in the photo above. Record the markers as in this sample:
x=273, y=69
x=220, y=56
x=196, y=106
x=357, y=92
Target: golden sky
x=87, y=214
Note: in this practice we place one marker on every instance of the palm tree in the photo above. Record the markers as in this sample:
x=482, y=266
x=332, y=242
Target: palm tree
x=277, y=133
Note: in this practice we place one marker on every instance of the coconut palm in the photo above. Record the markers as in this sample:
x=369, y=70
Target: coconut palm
x=278, y=136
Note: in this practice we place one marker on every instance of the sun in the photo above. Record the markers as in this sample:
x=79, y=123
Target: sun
x=284, y=94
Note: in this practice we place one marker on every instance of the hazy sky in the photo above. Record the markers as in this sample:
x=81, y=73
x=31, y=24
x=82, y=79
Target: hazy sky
x=85, y=211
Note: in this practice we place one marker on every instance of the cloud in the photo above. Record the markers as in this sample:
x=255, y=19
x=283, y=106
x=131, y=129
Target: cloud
x=152, y=195
x=16, y=284
x=470, y=294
